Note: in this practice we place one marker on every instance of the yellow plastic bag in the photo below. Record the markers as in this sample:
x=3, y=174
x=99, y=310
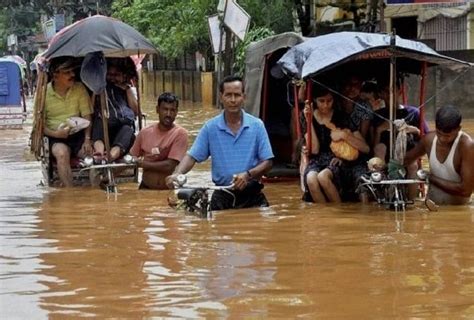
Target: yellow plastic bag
x=344, y=150
x=341, y=148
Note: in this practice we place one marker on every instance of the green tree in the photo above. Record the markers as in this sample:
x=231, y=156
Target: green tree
x=254, y=35
x=22, y=17
x=174, y=26
x=21, y=20
x=276, y=15
x=77, y=9
x=3, y=31
x=179, y=26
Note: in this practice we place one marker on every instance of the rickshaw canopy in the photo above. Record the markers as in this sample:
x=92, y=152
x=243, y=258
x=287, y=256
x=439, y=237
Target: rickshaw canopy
x=18, y=61
x=255, y=64
x=10, y=84
x=322, y=53
x=110, y=37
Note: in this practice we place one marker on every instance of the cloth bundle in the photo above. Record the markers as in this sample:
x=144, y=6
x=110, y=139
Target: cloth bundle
x=75, y=124
x=342, y=149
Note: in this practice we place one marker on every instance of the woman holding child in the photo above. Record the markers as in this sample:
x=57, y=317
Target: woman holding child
x=322, y=177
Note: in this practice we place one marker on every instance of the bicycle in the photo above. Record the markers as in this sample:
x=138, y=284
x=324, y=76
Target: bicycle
x=196, y=198
x=105, y=170
x=392, y=192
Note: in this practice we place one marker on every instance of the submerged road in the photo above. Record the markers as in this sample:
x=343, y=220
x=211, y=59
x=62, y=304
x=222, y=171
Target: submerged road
x=76, y=253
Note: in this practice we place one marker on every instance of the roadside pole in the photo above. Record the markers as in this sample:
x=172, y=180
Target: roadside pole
x=382, y=15
x=220, y=12
x=219, y=62
x=229, y=23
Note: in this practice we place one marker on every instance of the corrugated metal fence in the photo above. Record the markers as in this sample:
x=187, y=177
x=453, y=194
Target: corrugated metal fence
x=450, y=34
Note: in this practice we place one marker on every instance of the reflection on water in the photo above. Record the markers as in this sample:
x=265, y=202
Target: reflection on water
x=99, y=257
x=78, y=254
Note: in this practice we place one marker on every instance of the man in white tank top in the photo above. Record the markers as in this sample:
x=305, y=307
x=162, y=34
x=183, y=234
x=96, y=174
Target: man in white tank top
x=451, y=156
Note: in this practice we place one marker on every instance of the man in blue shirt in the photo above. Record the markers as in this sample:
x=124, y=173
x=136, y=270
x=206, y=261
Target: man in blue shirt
x=239, y=147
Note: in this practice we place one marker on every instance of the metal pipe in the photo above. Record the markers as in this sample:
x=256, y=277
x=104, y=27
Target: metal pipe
x=265, y=88
x=296, y=112
x=422, y=97
x=392, y=103
x=309, y=123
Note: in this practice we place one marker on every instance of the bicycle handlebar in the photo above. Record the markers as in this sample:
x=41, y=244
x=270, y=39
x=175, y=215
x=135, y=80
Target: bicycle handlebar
x=206, y=187
x=181, y=179
x=392, y=181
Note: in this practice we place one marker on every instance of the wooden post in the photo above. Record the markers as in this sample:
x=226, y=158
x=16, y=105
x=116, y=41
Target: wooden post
x=163, y=87
x=154, y=83
x=382, y=15
x=181, y=80
x=173, y=84
x=104, y=111
x=193, y=93
x=228, y=52
x=38, y=124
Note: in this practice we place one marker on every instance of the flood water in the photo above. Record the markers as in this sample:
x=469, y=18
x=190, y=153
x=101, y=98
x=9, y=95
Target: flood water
x=76, y=253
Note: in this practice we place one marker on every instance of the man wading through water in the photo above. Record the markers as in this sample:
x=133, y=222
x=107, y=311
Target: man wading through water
x=238, y=145
x=160, y=147
x=451, y=153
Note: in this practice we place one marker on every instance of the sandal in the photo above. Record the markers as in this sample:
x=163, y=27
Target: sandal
x=99, y=157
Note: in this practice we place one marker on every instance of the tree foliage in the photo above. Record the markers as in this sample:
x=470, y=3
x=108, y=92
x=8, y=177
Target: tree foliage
x=22, y=17
x=77, y=9
x=174, y=26
x=3, y=30
x=21, y=20
x=276, y=15
x=179, y=26
x=255, y=34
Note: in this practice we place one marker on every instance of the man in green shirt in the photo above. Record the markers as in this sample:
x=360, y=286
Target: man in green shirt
x=65, y=99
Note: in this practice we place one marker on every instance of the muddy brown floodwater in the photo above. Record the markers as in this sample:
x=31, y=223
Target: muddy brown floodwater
x=76, y=253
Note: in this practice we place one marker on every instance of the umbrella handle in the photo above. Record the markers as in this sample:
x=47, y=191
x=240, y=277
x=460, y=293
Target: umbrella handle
x=105, y=123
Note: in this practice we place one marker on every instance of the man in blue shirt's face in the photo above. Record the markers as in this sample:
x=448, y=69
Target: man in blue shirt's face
x=232, y=97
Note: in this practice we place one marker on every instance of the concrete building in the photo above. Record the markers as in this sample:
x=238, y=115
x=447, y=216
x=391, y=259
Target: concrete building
x=447, y=26
x=336, y=15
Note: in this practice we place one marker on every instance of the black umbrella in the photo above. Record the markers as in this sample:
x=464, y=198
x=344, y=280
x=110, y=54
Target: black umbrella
x=94, y=76
x=98, y=33
x=94, y=72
